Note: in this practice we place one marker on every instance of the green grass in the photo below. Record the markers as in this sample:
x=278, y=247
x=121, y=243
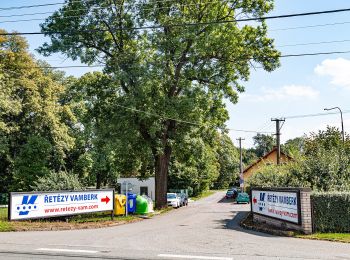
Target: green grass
x=204, y=194
x=98, y=217
x=337, y=237
x=4, y=224
x=78, y=221
x=3, y=214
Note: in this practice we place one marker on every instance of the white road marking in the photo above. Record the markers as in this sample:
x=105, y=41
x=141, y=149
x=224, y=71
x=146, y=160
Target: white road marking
x=67, y=250
x=195, y=257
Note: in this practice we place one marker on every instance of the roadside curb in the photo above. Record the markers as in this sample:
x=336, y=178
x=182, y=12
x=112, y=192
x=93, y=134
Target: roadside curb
x=247, y=223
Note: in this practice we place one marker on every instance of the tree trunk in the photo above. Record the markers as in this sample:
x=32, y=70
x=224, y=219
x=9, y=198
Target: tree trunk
x=161, y=177
x=98, y=180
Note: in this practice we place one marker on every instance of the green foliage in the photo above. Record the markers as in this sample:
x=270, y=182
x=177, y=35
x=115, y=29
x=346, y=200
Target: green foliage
x=288, y=175
x=228, y=158
x=294, y=147
x=180, y=72
x=331, y=211
x=324, y=165
x=56, y=181
x=4, y=198
x=32, y=117
x=199, y=164
x=249, y=156
x=263, y=144
x=194, y=165
x=32, y=163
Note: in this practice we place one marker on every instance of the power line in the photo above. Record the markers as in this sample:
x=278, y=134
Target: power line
x=213, y=22
x=60, y=67
x=179, y=120
x=313, y=54
x=309, y=26
x=28, y=6
x=248, y=131
x=62, y=3
x=85, y=9
x=311, y=43
x=96, y=66
x=315, y=115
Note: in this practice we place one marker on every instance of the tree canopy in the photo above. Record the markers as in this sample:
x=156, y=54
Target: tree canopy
x=171, y=63
x=34, y=136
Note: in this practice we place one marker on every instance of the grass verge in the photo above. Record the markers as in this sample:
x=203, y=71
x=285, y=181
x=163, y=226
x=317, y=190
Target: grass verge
x=336, y=237
x=204, y=194
x=86, y=221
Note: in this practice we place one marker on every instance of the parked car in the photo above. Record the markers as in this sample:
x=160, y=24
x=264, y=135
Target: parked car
x=242, y=198
x=173, y=200
x=230, y=194
x=183, y=199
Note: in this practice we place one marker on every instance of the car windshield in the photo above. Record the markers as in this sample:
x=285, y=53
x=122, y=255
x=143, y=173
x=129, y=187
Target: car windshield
x=229, y=191
x=171, y=196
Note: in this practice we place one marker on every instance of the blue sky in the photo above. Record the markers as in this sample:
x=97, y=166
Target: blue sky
x=303, y=85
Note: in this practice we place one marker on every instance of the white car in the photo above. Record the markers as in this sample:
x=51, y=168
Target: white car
x=173, y=200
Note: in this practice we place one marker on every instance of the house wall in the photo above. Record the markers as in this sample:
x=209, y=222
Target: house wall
x=271, y=158
x=137, y=184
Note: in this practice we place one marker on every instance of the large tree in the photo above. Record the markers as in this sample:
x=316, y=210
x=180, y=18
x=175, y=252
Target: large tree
x=34, y=136
x=173, y=62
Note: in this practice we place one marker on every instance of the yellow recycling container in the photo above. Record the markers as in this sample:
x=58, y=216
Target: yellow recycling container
x=119, y=205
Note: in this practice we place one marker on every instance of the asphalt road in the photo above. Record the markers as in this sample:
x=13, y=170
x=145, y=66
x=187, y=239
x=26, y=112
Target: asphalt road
x=206, y=229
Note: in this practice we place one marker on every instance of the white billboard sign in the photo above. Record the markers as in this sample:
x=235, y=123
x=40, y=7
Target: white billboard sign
x=282, y=205
x=54, y=204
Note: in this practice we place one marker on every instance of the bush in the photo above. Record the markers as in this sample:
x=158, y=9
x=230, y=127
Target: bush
x=4, y=198
x=331, y=211
x=58, y=181
x=278, y=176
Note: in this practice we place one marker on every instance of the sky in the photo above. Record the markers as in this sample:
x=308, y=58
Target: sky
x=301, y=86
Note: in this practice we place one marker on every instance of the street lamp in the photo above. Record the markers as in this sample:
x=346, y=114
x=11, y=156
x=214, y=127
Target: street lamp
x=341, y=116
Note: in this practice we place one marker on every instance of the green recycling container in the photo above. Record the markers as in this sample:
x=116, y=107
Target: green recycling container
x=141, y=205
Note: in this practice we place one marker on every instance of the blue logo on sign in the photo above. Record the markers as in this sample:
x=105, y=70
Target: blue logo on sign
x=261, y=202
x=28, y=204
x=262, y=196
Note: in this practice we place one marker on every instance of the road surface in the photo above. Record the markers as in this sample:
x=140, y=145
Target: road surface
x=206, y=229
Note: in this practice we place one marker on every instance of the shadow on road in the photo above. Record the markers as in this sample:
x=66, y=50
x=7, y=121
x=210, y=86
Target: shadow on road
x=233, y=224
x=224, y=200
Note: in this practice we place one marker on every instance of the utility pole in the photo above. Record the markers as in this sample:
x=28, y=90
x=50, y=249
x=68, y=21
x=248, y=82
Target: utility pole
x=278, y=137
x=241, y=179
x=341, y=118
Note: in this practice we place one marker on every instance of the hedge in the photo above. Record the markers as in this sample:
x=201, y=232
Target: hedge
x=3, y=198
x=331, y=211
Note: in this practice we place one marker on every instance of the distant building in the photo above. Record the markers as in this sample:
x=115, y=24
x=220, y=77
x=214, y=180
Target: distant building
x=139, y=187
x=269, y=158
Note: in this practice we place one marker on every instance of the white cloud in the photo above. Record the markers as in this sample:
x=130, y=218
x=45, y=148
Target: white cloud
x=290, y=131
x=337, y=69
x=285, y=92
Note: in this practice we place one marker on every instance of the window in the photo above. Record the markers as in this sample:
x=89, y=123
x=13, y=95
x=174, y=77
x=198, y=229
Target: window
x=144, y=191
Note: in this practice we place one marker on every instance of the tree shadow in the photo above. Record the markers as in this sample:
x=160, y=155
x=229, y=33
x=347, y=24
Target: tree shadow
x=224, y=200
x=234, y=224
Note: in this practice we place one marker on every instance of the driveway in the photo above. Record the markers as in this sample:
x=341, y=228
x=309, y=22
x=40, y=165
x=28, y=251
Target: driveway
x=206, y=229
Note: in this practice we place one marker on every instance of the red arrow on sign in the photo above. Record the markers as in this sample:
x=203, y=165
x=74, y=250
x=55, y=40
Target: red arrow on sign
x=105, y=199
x=254, y=200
